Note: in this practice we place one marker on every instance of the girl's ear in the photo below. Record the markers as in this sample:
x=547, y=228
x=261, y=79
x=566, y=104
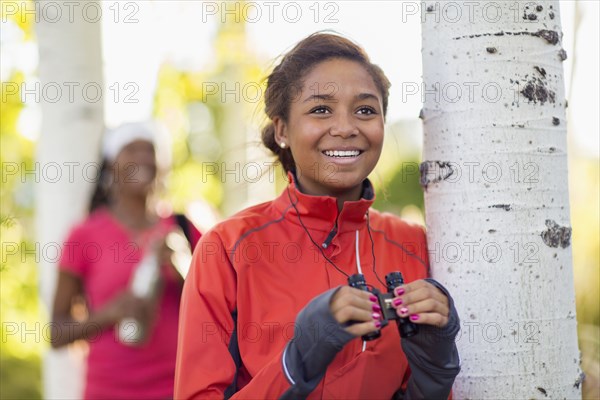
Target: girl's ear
x=280, y=131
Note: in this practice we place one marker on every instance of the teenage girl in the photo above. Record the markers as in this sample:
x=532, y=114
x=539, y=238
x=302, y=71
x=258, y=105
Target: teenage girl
x=267, y=311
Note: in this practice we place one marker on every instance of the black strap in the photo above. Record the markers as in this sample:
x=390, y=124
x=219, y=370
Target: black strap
x=184, y=224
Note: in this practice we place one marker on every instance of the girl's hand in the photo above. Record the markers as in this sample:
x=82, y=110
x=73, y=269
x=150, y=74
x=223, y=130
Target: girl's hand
x=357, y=309
x=423, y=303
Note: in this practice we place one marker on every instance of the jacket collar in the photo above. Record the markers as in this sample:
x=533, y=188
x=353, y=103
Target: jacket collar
x=321, y=212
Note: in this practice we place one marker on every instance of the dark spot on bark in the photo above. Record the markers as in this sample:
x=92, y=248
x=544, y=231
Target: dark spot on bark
x=421, y=114
x=506, y=207
x=556, y=235
x=491, y=50
x=532, y=17
x=429, y=8
x=535, y=92
x=535, y=89
x=550, y=36
x=434, y=172
x=542, y=390
x=551, y=15
x=472, y=316
x=499, y=33
x=552, y=149
x=542, y=71
x=492, y=231
x=555, y=121
x=539, y=8
x=562, y=54
x=566, y=103
x=579, y=379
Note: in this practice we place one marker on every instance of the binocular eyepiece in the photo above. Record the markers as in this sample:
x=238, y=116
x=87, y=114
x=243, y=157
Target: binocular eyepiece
x=388, y=312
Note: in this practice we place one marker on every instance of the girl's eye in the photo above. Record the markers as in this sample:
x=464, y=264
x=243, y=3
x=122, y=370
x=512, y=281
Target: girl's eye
x=319, y=110
x=366, y=111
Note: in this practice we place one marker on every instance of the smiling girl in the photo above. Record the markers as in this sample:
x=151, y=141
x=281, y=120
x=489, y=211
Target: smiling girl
x=266, y=310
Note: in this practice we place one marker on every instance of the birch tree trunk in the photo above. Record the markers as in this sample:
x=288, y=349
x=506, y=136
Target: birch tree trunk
x=496, y=194
x=70, y=72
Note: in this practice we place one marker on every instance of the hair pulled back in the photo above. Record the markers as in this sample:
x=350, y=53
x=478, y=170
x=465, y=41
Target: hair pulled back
x=285, y=83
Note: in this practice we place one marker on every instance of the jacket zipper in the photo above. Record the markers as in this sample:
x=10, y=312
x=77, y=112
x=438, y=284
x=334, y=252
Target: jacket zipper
x=329, y=237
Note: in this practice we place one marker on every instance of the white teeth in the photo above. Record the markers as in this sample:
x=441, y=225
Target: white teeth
x=342, y=153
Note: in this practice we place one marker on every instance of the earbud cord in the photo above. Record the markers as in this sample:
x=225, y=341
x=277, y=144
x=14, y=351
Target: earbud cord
x=323, y=253
x=373, y=248
x=310, y=237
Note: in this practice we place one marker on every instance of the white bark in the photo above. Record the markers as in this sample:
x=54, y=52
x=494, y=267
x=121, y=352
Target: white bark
x=495, y=173
x=72, y=124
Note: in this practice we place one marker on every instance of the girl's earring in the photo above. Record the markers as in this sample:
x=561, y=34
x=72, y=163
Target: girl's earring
x=282, y=145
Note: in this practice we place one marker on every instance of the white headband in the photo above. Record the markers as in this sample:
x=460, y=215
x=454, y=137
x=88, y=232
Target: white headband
x=116, y=139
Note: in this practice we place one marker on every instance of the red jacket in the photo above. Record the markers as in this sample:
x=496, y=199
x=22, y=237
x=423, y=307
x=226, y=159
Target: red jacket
x=253, y=273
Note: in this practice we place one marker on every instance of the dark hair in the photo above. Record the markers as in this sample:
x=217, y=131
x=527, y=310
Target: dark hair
x=100, y=195
x=285, y=82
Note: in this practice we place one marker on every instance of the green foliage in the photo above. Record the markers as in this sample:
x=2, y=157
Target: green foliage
x=20, y=377
x=20, y=357
x=192, y=105
x=401, y=190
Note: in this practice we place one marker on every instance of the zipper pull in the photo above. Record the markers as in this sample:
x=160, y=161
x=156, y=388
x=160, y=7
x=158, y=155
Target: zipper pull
x=329, y=238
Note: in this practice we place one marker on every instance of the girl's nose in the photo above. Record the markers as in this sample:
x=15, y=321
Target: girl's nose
x=343, y=126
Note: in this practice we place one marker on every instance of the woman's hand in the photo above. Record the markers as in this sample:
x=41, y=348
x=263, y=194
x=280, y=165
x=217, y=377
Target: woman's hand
x=126, y=305
x=423, y=303
x=356, y=308
x=122, y=305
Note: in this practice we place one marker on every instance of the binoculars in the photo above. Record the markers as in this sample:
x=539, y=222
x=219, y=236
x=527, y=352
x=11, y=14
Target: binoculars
x=388, y=312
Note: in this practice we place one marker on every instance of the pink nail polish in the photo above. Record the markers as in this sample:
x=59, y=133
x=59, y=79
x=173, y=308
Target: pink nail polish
x=404, y=310
x=399, y=291
x=376, y=315
x=377, y=324
x=397, y=302
x=414, y=317
x=373, y=298
x=376, y=307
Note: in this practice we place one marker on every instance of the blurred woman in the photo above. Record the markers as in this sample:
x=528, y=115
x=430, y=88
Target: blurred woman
x=267, y=309
x=119, y=260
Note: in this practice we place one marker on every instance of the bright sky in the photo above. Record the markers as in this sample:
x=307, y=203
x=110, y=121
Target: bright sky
x=138, y=36
x=187, y=42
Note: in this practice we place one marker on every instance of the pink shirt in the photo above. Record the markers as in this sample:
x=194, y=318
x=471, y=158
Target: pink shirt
x=104, y=254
